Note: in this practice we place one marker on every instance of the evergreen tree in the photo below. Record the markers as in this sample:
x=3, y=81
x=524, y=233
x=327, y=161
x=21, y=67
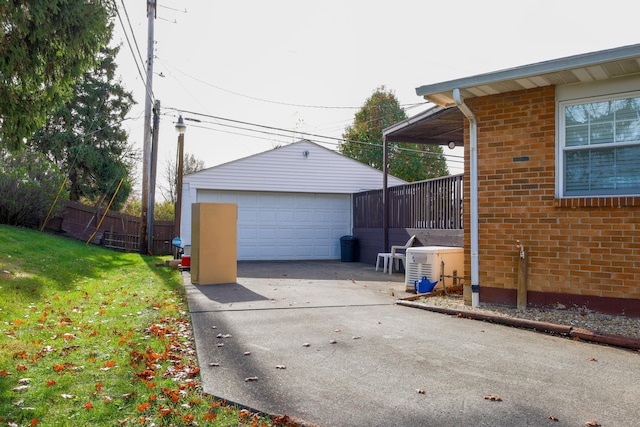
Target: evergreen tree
x=45, y=45
x=363, y=141
x=85, y=139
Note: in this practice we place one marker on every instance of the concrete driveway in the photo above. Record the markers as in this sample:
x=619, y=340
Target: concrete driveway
x=325, y=342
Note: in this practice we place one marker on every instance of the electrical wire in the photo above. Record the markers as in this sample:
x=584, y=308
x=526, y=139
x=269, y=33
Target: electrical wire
x=275, y=131
x=148, y=91
x=288, y=104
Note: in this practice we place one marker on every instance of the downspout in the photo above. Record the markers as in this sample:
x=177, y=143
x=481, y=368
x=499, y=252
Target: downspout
x=473, y=196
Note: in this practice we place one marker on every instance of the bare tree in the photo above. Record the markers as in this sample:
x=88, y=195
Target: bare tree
x=190, y=165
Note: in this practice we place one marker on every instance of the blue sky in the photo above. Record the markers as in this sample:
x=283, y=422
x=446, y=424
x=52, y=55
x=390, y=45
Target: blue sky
x=300, y=65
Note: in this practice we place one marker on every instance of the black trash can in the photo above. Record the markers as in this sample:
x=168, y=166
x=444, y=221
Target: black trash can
x=349, y=249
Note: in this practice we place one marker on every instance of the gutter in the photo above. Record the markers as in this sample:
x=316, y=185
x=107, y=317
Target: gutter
x=473, y=196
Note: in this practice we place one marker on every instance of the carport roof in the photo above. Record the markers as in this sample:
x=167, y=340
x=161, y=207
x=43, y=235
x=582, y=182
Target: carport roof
x=437, y=125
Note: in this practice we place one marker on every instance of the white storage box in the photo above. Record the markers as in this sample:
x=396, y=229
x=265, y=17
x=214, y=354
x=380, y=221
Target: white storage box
x=427, y=261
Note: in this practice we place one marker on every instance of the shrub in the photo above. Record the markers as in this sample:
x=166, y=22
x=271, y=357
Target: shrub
x=29, y=184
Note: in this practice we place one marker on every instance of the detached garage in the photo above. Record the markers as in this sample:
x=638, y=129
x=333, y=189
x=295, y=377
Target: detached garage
x=294, y=202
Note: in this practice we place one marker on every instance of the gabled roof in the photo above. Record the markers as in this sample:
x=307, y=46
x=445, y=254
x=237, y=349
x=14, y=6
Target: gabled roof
x=602, y=65
x=303, y=167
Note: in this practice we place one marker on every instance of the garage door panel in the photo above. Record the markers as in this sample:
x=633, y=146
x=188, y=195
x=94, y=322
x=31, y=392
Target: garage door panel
x=287, y=226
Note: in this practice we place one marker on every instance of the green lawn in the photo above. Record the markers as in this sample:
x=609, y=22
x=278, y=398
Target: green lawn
x=92, y=337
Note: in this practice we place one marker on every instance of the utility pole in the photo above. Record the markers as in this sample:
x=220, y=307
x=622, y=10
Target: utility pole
x=155, y=133
x=146, y=153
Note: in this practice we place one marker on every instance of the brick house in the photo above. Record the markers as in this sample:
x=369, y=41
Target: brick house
x=552, y=160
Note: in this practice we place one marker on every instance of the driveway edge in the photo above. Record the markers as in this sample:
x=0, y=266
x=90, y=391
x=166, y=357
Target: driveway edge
x=564, y=330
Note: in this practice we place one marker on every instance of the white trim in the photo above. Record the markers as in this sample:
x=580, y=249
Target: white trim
x=611, y=87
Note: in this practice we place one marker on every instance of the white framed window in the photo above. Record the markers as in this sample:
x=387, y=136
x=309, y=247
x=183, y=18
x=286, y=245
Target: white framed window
x=599, y=146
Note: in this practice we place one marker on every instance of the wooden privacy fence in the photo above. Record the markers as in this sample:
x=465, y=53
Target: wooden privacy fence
x=433, y=204
x=117, y=231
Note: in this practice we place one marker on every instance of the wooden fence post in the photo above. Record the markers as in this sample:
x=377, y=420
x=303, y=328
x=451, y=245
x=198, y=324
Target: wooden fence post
x=523, y=267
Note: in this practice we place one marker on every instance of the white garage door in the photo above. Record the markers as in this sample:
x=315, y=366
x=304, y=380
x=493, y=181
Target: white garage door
x=287, y=226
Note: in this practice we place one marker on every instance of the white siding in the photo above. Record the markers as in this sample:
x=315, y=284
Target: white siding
x=287, y=169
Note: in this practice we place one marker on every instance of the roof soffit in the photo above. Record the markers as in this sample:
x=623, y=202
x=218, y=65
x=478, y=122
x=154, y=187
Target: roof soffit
x=588, y=67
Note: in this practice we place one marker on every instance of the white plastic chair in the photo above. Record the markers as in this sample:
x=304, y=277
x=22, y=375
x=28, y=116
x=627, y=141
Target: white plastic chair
x=394, y=256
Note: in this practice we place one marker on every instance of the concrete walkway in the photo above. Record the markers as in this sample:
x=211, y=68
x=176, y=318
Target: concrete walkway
x=325, y=342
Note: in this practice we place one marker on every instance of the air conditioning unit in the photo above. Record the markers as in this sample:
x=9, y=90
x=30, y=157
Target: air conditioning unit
x=427, y=261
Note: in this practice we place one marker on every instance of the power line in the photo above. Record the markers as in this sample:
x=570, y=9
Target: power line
x=131, y=48
x=288, y=104
x=272, y=130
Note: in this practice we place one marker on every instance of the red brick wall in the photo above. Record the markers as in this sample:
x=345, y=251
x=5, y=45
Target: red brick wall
x=587, y=248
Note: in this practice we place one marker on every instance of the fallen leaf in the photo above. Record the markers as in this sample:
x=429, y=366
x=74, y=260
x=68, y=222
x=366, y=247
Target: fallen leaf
x=306, y=344
x=143, y=407
x=593, y=359
x=220, y=344
x=421, y=391
x=553, y=418
x=357, y=337
x=24, y=380
x=4, y=373
x=214, y=364
x=592, y=423
x=50, y=383
x=20, y=388
x=249, y=379
x=336, y=330
x=333, y=342
x=88, y=406
x=493, y=398
x=281, y=367
x=247, y=353
x=68, y=396
x=21, y=368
